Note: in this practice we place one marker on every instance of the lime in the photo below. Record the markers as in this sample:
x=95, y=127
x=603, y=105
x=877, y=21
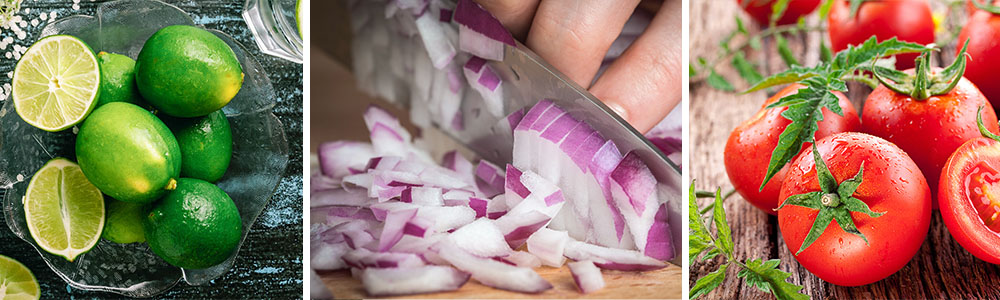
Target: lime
x=124, y=222
x=56, y=83
x=195, y=226
x=16, y=281
x=298, y=21
x=64, y=211
x=206, y=145
x=185, y=71
x=128, y=153
x=117, y=79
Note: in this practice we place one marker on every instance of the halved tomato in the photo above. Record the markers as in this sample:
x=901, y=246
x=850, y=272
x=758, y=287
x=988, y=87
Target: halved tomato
x=969, y=196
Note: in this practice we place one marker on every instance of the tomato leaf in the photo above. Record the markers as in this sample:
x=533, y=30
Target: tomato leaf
x=982, y=128
x=825, y=54
x=855, y=5
x=793, y=74
x=778, y=10
x=696, y=227
x=826, y=180
x=823, y=219
x=809, y=200
x=725, y=241
x=746, y=69
x=718, y=82
x=786, y=53
x=856, y=205
x=848, y=187
x=709, y=282
x=766, y=276
x=697, y=245
x=824, y=10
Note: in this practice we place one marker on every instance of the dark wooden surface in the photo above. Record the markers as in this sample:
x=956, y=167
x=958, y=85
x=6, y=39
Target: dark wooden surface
x=269, y=265
x=940, y=270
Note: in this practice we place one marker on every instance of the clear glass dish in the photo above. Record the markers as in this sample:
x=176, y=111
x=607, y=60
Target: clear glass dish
x=260, y=154
x=274, y=24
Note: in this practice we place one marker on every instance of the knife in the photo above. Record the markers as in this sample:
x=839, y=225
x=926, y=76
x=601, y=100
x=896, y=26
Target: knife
x=528, y=79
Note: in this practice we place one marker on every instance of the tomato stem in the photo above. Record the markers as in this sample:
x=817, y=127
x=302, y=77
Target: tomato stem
x=830, y=200
x=982, y=128
x=924, y=82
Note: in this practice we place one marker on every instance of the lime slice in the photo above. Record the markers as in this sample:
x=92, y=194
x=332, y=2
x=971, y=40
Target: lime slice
x=298, y=21
x=65, y=212
x=16, y=281
x=56, y=83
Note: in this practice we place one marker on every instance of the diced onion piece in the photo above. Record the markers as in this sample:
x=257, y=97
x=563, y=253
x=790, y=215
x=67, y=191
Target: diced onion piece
x=659, y=244
x=380, y=282
x=493, y=273
x=336, y=158
x=318, y=289
x=633, y=189
x=395, y=222
x=548, y=245
x=612, y=259
x=524, y=259
x=481, y=238
x=587, y=276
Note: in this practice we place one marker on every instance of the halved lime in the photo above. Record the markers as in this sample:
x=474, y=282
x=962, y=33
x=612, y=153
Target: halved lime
x=65, y=212
x=16, y=281
x=56, y=83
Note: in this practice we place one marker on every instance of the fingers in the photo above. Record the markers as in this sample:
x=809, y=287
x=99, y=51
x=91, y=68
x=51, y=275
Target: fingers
x=515, y=15
x=574, y=35
x=644, y=84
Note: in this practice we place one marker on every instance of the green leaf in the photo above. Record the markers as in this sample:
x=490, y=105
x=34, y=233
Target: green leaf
x=711, y=253
x=982, y=128
x=826, y=180
x=825, y=54
x=810, y=200
x=778, y=10
x=786, y=53
x=861, y=56
x=709, y=282
x=696, y=245
x=848, y=187
x=856, y=205
x=793, y=74
x=691, y=71
x=755, y=42
x=766, y=276
x=725, y=240
x=739, y=25
x=804, y=110
x=695, y=226
x=746, y=69
x=718, y=82
x=846, y=222
x=823, y=219
x=824, y=10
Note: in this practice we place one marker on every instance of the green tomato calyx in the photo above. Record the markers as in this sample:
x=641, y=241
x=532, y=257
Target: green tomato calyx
x=924, y=83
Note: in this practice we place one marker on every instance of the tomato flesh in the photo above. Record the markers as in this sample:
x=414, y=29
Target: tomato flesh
x=983, y=186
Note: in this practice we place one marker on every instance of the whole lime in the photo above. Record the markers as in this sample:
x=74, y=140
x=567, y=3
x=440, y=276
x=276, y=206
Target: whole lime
x=117, y=79
x=128, y=153
x=123, y=223
x=185, y=71
x=206, y=145
x=195, y=226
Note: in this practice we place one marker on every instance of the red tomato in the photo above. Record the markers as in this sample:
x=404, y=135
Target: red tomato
x=983, y=33
x=966, y=195
x=931, y=129
x=748, y=150
x=760, y=10
x=891, y=184
x=908, y=20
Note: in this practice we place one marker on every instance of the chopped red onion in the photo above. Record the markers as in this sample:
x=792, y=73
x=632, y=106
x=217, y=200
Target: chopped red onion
x=493, y=273
x=380, y=282
x=481, y=238
x=611, y=258
x=548, y=245
x=587, y=276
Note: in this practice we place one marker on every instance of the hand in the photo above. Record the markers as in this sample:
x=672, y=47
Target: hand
x=642, y=85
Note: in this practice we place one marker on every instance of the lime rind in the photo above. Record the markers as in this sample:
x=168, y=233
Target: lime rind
x=64, y=211
x=16, y=281
x=56, y=83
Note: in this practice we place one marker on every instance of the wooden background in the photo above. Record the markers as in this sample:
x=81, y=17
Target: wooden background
x=941, y=268
x=269, y=265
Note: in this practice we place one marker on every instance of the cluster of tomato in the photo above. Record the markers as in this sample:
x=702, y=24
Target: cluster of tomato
x=917, y=155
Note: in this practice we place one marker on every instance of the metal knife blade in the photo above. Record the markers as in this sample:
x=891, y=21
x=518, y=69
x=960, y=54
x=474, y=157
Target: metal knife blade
x=528, y=79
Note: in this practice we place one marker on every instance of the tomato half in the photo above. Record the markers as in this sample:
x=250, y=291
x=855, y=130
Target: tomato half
x=760, y=10
x=908, y=20
x=969, y=196
x=748, y=150
x=891, y=184
x=931, y=129
x=983, y=31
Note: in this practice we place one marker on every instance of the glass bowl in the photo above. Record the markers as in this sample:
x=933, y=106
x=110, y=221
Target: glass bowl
x=275, y=27
x=260, y=154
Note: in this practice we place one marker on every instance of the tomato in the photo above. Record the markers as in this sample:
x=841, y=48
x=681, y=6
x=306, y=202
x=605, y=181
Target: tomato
x=983, y=31
x=908, y=20
x=891, y=184
x=760, y=10
x=967, y=192
x=928, y=130
x=748, y=150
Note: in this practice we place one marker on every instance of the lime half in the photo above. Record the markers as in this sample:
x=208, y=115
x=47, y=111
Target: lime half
x=65, y=212
x=16, y=281
x=56, y=83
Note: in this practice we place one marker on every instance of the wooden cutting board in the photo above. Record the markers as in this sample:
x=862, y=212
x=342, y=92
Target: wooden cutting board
x=660, y=284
